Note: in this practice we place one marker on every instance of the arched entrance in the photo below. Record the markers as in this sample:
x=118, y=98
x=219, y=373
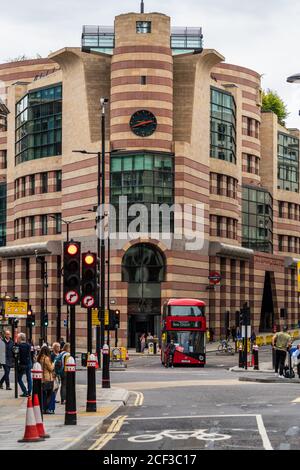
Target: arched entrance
x=143, y=267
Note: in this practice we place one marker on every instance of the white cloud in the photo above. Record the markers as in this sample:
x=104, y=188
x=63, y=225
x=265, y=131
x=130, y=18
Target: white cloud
x=263, y=35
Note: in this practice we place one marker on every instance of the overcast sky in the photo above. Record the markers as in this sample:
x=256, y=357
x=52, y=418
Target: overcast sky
x=260, y=34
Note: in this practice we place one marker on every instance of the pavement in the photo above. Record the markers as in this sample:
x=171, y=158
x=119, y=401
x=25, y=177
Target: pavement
x=13, y=414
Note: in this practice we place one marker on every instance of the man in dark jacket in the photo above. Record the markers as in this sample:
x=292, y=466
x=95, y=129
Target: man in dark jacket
x=25, y=364
x=8, y=359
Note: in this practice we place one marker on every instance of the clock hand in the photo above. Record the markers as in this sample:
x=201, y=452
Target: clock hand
x=142, y=123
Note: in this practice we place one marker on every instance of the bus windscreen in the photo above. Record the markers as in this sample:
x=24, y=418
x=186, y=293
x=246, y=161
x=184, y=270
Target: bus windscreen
x=188, y=341
x=186, y=311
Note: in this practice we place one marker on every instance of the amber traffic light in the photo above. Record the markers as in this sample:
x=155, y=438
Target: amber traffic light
x=89, y=278
x=71, y=269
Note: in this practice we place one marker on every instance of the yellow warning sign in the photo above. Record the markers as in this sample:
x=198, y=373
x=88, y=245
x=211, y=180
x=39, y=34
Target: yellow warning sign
x=16, y=309
x=298, y=275
x=95, y=319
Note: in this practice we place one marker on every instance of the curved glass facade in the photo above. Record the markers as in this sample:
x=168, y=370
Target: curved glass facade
x=257, y=219
x=288, y=162
x=39, y=124
x=144, y=177
x=222, y=126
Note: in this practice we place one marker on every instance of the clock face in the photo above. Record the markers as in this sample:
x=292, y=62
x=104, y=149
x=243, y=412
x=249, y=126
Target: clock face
x=143, y=123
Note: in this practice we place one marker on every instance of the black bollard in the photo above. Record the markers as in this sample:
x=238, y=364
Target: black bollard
x=70, y=413
x=91, y=402
x=37, y=375
x=105, y=367
x=241, y=356
x=255, y=355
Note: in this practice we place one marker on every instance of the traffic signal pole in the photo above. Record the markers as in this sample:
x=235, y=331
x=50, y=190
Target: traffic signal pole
x=72, y=330
x=89, y=331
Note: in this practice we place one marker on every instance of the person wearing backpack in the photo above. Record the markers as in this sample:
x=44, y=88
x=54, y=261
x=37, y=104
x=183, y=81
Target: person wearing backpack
x=59, y=369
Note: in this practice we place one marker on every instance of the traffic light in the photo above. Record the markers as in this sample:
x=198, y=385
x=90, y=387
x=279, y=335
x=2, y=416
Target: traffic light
x=29, y=319
x=32, y=320
x=45, y=319
x=89, y=278
x=71, y=273
x=114, y=319
x=117, y=319
x=245, y=315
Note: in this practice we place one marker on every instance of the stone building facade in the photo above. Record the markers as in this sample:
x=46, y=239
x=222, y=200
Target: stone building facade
x=211, y=146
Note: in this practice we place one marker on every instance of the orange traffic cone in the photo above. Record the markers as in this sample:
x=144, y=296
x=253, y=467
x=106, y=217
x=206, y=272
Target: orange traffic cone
x=31, y=433
x=38, y=416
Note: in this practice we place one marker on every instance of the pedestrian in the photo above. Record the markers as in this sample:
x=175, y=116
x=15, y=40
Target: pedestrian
x=24, y=365
x=44, y=358
x=62, y=343
x=211, y=335
x=228, y=334
x=296, y=359
x=170, y=351
x=233, y=333
x=7, y=359
x=59, y=370
x=281, y=341
x=143, y=342
x=253, y=338
x=56, y=379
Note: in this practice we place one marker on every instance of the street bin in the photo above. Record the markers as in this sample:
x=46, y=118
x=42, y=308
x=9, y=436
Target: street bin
x=84, y=358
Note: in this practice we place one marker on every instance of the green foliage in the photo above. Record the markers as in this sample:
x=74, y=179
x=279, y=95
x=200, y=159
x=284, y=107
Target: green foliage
x=271, y=101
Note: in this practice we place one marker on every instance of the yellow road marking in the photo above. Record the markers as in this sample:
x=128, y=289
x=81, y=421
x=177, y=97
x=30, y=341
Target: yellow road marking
x=113, y=429
x=139, y=398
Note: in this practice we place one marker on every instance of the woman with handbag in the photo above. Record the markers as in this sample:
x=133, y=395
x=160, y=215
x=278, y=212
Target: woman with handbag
x=44, y=358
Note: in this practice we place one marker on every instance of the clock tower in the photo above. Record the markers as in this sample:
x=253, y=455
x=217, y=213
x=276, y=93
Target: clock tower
x=142, y=83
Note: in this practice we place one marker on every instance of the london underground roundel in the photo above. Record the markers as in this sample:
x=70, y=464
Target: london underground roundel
x=143, y=123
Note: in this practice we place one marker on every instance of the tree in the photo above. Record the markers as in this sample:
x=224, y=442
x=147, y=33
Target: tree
x=271, y=101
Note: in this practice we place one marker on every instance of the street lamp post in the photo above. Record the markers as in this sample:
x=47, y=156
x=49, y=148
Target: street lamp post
x=100, y=333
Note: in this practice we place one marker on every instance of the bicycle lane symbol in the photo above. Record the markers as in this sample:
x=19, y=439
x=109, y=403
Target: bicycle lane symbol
x=174, y=434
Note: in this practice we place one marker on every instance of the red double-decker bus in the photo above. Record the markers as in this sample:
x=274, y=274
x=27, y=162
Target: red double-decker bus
x=184, y=322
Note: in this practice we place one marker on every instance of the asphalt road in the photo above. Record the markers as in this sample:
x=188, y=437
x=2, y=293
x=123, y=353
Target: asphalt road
x=188, y=409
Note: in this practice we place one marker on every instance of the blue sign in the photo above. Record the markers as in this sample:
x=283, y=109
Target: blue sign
x=65, y=323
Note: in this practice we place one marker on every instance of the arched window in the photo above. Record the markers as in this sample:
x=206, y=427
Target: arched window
x=143, y=263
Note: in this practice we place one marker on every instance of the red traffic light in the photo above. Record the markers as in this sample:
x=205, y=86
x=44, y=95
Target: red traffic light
x=89, y=259
x=72, y=249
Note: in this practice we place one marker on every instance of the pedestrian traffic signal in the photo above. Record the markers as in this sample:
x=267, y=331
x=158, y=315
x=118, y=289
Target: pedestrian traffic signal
x=245, y=315
x=71, y=272
x=45, y=319
x=89, y=278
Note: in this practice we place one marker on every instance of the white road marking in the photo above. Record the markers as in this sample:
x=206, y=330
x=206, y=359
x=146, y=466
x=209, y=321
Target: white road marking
x=260, y=424
x=263, y=433
x=297, y=400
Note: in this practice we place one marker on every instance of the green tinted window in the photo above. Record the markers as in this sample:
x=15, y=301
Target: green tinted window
x=223, y=123
x=39, y=124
